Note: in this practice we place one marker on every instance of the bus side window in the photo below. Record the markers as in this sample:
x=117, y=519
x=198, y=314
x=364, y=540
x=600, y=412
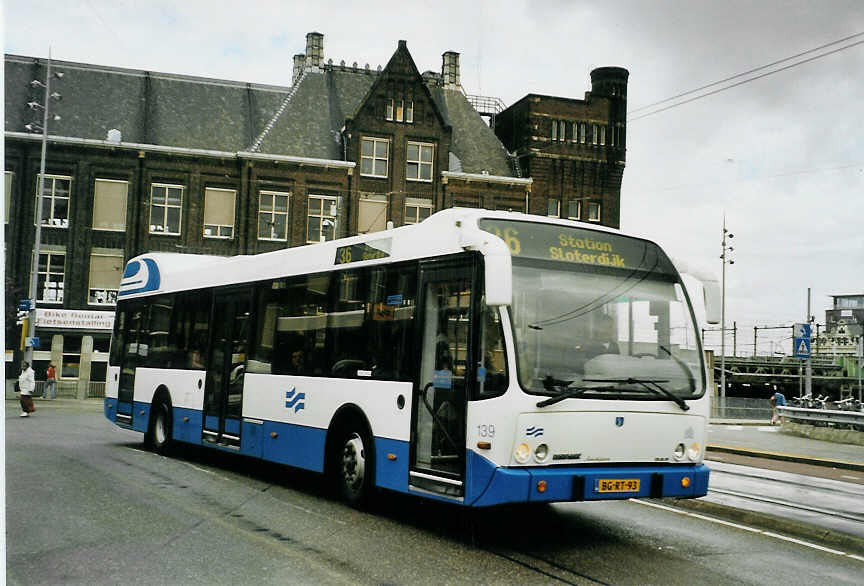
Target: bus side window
x=492, y=371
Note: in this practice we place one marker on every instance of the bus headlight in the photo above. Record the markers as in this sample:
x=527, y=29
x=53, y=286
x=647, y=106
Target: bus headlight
x=693, y=451
x=523, y=452
x=679, y=451
x=541, y=452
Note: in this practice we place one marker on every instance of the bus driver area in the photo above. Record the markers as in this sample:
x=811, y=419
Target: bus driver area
x=390, y=361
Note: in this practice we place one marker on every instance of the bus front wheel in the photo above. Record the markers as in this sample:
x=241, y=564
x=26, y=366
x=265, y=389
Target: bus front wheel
x=158, y=436
x=355, y=464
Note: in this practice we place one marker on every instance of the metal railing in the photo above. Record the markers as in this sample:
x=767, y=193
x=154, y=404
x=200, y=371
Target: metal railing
x=847, y=419
x=740, y=408
x=69, y=389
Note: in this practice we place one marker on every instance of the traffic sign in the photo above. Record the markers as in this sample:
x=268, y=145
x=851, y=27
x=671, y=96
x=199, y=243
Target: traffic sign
x=801, y=340
x=33, y=342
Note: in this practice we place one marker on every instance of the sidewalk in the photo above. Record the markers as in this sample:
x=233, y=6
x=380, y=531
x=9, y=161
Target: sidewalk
x=762, y=440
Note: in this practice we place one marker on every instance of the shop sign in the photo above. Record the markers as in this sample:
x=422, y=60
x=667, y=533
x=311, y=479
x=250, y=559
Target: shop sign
x=75, y=319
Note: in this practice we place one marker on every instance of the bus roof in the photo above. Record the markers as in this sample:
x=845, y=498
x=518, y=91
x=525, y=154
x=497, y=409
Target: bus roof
x=446, y=232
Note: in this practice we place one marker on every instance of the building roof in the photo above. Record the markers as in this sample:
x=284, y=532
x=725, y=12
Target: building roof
x=229, y=116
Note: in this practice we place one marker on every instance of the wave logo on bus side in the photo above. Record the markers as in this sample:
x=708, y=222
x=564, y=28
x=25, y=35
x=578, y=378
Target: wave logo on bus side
x=534, y=431
x=295, y=400
x=140, y=276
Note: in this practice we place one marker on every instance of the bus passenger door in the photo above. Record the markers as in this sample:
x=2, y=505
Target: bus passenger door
x=438, y=450
x=226, y=366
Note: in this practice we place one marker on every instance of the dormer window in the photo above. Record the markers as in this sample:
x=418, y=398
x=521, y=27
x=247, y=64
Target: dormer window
x=388, y=110
x=400, y=108
x=409, y=111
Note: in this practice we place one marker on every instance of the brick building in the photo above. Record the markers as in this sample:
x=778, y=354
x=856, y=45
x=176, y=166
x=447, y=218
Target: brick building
x=143, y=161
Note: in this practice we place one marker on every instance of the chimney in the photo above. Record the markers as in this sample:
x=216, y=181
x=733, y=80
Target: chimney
x=299, y=64
x=450, y=70
x=314, y=51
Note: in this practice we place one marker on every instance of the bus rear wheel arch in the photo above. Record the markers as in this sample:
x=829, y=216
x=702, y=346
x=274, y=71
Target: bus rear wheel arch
x=160, y=428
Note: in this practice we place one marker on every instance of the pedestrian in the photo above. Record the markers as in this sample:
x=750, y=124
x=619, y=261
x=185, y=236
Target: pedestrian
x=50, y=381
x=26, y=385
x=778, y=399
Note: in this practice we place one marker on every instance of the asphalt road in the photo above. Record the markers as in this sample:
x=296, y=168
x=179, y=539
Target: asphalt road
x=87, y=505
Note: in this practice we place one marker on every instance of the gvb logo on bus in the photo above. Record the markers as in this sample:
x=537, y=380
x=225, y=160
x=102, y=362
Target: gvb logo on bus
x=295, y=400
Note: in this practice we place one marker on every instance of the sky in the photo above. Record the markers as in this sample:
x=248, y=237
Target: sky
x=781, y=156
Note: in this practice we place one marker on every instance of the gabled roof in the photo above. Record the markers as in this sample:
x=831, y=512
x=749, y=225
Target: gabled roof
x=229, y=116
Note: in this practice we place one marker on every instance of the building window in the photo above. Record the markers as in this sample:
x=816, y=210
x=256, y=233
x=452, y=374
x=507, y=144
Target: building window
x=374, y=154
x=574, y=209
x=553, y=209
x=55, y=201
x=109, y=204
x=400, y=108
x=273, y=215
x=105, y=273
x=582, y=127
x=417, y=210
x=409, y=112
x=559, y=130
x=49, y=285
x=602, y=135
x=71, y=362
x=595, y=134
x=419, y=158
x=593, y=212
x=166, y=202
x=575, y=132
x=219, y=212
x=321, y=218
x=372, y=213
x=7, y=196
x=388, y=110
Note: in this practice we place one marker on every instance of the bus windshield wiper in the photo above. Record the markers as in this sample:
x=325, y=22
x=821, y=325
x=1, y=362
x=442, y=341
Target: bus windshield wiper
x=652, y=385
x=565, y=393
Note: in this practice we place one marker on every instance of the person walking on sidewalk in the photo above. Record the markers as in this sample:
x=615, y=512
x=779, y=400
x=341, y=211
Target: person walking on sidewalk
x=778, y=399
x=26, y=385
x=50, y=381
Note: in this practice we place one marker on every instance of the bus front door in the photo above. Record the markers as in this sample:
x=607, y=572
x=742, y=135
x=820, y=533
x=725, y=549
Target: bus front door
x=226, y=364
x=438, y=450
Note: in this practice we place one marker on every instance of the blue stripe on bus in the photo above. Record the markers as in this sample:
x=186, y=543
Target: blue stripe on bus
x=140, y=416
x=186, y=425
x=391, y=472
x=293, y=445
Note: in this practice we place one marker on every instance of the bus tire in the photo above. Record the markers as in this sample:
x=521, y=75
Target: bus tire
x=354, y=465
x=158, y=436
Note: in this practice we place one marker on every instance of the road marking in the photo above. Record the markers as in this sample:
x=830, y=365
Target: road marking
x=846, y=476
x=750, y=529
x=771, y=429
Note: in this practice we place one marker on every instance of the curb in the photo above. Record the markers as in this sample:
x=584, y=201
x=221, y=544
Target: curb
x=801, y=530
x=858, y=466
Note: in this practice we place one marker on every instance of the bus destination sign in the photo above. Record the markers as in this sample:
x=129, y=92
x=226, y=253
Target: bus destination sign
x=577, y=245
x=363, y=251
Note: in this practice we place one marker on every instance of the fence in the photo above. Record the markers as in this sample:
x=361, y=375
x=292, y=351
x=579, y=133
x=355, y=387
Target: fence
x=69, y=389
x=827, y=417
x=740, y=408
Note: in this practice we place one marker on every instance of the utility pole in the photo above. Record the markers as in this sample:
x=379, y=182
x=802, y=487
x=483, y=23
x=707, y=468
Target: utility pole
x=37, y=243
x=808, y=384
x=725, y=234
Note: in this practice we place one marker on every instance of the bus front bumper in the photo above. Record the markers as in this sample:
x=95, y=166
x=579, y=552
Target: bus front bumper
x=571, y=483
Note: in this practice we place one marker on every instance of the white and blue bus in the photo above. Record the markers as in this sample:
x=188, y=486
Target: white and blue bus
x=478, y=357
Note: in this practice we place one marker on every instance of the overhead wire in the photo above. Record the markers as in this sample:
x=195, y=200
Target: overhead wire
x=748, y=72
x=748, y=80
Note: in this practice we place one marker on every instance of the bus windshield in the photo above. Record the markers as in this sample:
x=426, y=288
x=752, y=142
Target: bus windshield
x=599, y=313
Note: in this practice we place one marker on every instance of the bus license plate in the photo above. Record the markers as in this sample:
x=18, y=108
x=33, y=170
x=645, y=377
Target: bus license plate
x=617, y=485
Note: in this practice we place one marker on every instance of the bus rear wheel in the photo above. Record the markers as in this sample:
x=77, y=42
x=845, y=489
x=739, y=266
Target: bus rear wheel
x=354, y=467
x=159, y=431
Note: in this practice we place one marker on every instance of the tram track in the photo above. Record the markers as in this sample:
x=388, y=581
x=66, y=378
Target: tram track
x=823, y=502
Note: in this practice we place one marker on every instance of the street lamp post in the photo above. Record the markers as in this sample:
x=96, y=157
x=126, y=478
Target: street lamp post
x=37, y=243
x=725, y=260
